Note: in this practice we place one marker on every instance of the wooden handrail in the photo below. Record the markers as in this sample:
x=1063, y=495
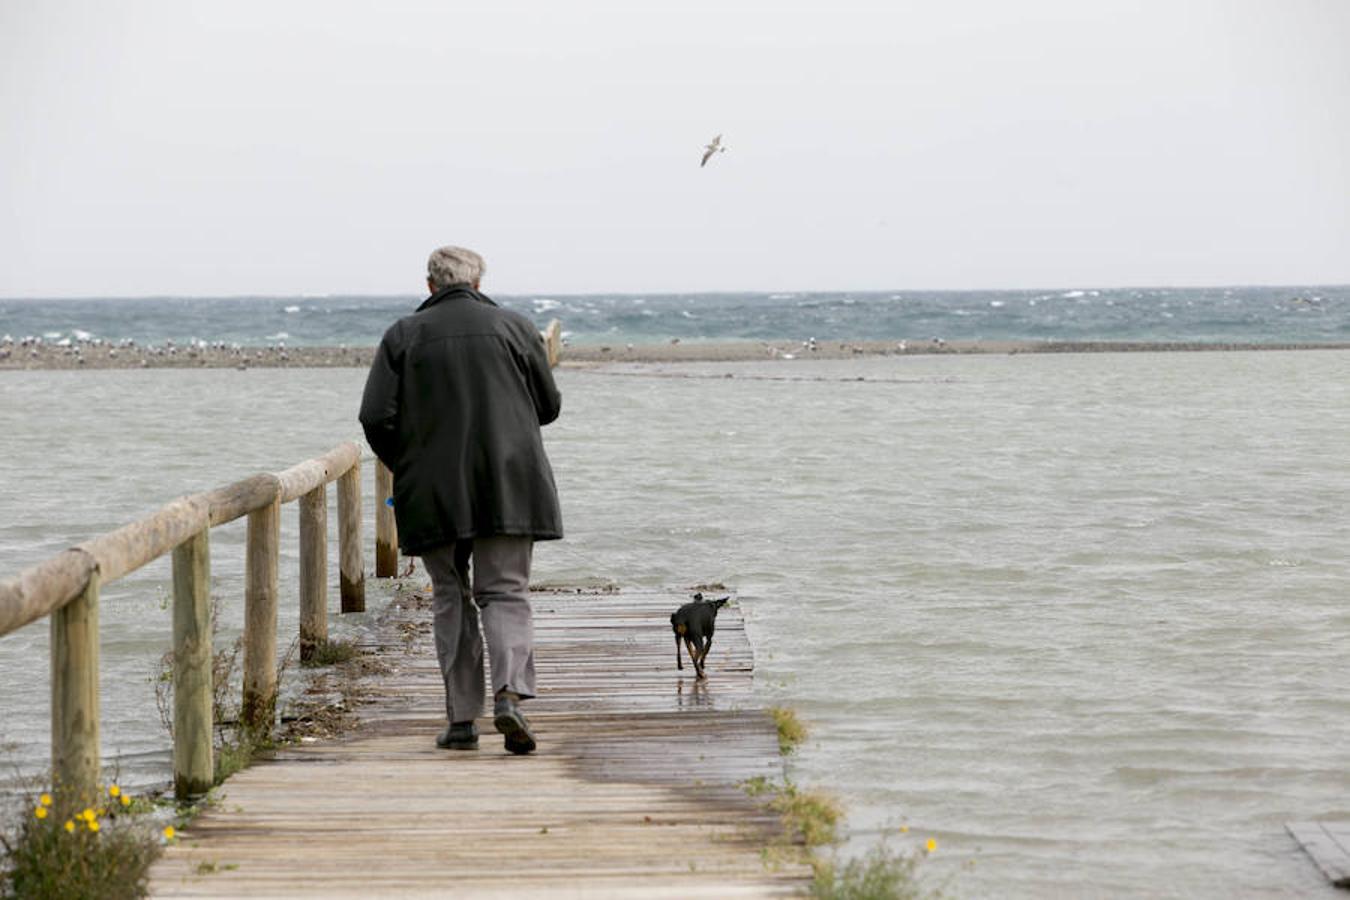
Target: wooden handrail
x=43, y=589
x=66, y=588
x=46, y=587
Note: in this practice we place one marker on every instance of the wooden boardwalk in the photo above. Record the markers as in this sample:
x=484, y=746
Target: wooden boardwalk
x=635, y=790
x=1328, y=843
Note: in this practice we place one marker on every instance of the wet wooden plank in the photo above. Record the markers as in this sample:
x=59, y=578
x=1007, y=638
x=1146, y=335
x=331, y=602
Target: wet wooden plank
x=1328, y=843
x=635, y=790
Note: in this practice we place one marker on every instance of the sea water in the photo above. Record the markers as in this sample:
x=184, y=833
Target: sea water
x=1081, y=619
x=1218, y=314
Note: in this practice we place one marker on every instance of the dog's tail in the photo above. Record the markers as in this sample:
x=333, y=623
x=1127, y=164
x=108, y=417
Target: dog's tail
x=720, y=601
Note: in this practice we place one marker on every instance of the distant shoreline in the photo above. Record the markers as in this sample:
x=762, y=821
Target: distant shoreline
x=15, y=357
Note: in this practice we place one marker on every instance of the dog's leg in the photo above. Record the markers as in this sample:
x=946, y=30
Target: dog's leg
x=703, y=657
x=691, y=647
x=698, y=660
x=679, y=663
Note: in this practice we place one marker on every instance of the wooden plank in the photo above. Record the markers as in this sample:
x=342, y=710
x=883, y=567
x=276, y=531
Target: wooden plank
x=1328, y=843
x=635, y=791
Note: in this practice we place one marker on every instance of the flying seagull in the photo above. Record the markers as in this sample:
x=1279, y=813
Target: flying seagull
x=714, y=147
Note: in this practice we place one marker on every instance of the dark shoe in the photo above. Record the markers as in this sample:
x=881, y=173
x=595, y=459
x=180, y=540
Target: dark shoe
x=459, y=736
x=510, y=722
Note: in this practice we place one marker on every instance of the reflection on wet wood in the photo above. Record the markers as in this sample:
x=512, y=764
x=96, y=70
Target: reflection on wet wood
x=635, y=790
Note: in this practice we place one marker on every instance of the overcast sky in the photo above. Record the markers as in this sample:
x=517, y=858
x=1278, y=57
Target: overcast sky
x=252, y=147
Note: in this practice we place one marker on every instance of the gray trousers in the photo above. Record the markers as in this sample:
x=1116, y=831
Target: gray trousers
x=500, y=599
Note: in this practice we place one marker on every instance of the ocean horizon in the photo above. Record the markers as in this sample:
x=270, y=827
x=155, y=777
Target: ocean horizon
x=1262, y=314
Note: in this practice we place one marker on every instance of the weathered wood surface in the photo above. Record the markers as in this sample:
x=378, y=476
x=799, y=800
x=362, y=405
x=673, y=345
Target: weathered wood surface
x=1328, y=843
x=313, y=571
x=233, y=501
x=635, y=790
x=75, y=695
x=312, y=473
x=193, y=764
x=351, y=568
x=258, y=708
x=553, y=342
x=47, y=586
x=125, y=550
x=41, y=589
x=386, y=527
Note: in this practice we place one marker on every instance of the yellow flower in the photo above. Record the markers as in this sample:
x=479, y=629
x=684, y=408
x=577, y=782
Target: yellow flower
x=87, y=815
x=93, y=826
x=45, y=799
x=126, y=801
x=931, y=845
x=169, y=832
x=904, y=829
x=40, y=812
x=114, y=791
x=70, y=826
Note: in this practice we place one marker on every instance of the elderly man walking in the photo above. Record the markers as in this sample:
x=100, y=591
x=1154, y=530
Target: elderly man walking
x=453, y=406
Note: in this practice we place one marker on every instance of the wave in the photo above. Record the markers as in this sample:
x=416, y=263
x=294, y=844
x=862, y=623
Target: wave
x=1305, y=314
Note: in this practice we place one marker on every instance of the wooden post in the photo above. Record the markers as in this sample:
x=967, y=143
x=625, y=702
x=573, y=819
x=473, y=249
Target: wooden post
x=386, y=529
x=193, y=762
x=258, y=711
x=351, y=567
x=313, y=571
x=553, y=342
x=75, y=706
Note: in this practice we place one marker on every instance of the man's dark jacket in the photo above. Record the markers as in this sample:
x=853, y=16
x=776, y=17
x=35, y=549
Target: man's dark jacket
x=453, y=406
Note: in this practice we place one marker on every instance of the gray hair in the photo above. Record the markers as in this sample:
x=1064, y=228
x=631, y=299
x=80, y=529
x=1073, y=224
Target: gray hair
x=454, y=265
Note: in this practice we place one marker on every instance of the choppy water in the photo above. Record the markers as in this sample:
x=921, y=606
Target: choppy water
x=1081, y=618
x=1307, y=314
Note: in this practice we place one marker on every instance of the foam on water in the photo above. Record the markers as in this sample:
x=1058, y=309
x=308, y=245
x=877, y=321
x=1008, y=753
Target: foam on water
x=1248, y=314
x=1081, y=618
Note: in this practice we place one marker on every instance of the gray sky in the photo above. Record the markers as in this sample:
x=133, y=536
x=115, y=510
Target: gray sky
x=182, y=147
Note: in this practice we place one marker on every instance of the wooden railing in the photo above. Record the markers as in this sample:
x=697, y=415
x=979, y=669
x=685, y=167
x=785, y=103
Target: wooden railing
x=66, y=588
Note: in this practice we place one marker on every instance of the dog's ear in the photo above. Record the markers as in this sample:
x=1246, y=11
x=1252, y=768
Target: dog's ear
x=698, y=597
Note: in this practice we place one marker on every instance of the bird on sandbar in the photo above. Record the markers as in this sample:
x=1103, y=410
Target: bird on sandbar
x=714, y=147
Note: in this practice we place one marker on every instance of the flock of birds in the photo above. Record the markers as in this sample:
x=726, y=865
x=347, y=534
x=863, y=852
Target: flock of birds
x=77, y=345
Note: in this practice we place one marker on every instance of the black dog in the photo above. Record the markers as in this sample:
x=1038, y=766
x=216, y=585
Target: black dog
x=695, y=622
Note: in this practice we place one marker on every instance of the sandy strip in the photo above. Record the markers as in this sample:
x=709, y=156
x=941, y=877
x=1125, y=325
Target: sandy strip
x=14, y=356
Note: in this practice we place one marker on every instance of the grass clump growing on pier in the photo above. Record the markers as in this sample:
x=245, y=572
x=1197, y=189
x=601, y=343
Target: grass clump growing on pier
x=72, y=852
x=811, y=821
x=330, y=653
x=791, y=729
x=810, y=817
x=237, y=755
x=880, y=874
